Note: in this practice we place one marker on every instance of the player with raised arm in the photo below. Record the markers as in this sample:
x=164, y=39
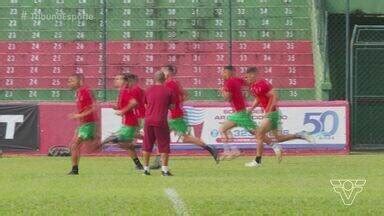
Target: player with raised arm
x=176, y=122
x=86, y=115
x=126, y=104
x=267, y=98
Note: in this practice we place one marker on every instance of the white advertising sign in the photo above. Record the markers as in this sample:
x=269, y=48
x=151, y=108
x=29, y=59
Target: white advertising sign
x=328, y=124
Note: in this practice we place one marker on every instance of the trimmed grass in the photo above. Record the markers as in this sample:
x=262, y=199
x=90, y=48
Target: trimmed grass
x=110, y=186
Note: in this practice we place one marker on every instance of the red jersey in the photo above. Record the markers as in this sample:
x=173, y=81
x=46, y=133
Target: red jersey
x=178, y=94
x=84, y=101
x=129, y=117
x=234, y=86
x=260, y=90
x=138, y=94
x=158, y=99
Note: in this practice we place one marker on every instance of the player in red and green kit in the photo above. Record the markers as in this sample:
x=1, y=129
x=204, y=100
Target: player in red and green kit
x=176, y=122
x=126, y=104
x=86, y=132
x=232, y=91
x=266, y=98
x=138, y=95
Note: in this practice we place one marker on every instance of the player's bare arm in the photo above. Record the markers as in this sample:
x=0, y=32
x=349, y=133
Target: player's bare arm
x=185, y=96
x=86, y=112
x=273, y=98
x=226, y=95
x=255, y=103
x=132, y=104
x=172, y=104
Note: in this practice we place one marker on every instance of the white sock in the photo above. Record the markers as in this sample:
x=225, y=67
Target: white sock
x=146, y=168
x=164, y=168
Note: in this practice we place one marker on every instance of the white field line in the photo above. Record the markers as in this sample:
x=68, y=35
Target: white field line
x=178, y=203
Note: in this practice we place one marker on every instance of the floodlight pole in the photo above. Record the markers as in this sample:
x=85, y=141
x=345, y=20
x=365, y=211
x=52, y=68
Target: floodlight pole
x=230, y=32
x=348, y=79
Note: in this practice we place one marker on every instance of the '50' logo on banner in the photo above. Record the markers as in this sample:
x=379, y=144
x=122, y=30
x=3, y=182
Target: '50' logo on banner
x=324, y=123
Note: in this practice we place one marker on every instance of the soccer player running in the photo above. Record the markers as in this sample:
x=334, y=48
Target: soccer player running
x=232, y=91
x=126, y=104
x=267, y=98
x=177, y=123
x=86, y=132
x=138, y=95
x=158, y=100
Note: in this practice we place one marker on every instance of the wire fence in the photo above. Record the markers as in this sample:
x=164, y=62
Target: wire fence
x=365, y=88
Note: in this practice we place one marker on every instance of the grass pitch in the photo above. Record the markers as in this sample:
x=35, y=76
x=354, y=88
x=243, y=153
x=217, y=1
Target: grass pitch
x=110, y=186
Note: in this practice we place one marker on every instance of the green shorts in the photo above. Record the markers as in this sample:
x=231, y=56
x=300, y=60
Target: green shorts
x=126, y=133
x=86, y=131
x=178, y=125
x=243, y=119
x=275, y=120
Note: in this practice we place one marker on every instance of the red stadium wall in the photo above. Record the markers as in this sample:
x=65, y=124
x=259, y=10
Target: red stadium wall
x=55, y=128
x=329, y=117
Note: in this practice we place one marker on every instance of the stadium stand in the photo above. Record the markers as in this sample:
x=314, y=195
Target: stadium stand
x=43, y=42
